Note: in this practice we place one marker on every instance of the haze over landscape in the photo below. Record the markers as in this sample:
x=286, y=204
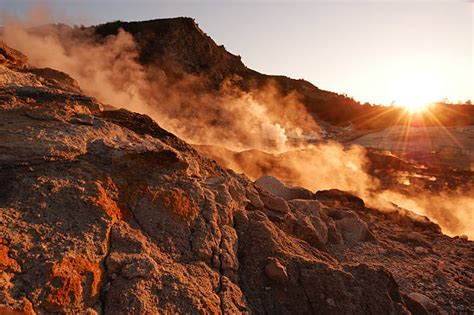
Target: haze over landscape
x=236, y=157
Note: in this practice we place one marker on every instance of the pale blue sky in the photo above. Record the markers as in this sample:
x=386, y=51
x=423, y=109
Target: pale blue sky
x=377, y=51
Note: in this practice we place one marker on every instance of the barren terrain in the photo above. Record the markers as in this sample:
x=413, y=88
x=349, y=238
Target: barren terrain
x=103, y=211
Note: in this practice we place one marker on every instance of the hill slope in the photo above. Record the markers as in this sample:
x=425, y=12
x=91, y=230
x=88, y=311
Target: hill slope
x=178, y=45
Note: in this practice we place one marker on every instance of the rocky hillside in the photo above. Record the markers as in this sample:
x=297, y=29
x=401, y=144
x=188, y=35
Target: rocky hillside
x=178, y=46
x=106, y=212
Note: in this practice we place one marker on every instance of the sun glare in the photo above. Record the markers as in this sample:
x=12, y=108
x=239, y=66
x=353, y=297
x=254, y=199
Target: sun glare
x=415, y=108
x=414, y=84
x=415, y=95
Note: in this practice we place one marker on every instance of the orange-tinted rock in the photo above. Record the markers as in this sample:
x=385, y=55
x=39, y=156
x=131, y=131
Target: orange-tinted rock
x=10, y=311
x=74, y=283
x=7, y=263
x=24, y=307
x=109, y=205
x=178, y=203
x=11, y=57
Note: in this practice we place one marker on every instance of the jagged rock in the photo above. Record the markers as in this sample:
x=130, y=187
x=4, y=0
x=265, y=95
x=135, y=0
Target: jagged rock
x=350, y=226
x=343, y=198
x=309, y=224
x=279, y=189
x=334, y=235
x=412, y=221
x=254, y=199
x=274, y=203
x=57, y=78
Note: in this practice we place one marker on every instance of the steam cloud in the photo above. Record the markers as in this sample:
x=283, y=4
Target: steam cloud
x=230, y=118
x=331, y=165
x=263, y=120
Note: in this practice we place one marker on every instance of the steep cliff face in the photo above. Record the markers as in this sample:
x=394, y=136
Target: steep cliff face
x=106, y=212
x=179, y=45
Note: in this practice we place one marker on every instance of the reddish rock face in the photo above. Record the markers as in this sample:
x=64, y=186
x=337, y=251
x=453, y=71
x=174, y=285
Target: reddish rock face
x=74, y=283
x=105, y=212
x=276, y=271
x=107, y=203
x=176, y=202
x=6, y=263
x=12, y=58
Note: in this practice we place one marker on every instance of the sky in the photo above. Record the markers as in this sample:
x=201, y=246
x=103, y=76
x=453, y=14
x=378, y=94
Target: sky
x=374, y=51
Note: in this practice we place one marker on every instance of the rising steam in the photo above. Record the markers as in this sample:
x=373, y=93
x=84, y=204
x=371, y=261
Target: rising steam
x=260, y=118
x=228, y=120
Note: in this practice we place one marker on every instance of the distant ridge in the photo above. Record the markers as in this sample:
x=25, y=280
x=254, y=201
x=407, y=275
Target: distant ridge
x=179, y=46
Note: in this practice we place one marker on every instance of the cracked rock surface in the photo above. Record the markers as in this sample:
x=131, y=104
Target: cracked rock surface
x=104, y=212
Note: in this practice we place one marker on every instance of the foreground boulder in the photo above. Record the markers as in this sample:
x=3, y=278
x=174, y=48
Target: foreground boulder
x=106, y=212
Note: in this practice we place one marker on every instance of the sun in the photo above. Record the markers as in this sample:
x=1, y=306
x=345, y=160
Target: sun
x=414, y=97
x=414, y=108
x=413, y=84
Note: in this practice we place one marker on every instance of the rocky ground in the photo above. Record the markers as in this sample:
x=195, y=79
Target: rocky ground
x=105, y=212
x=442, y=147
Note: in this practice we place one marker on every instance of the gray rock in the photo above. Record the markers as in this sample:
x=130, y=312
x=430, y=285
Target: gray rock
x=352, y=228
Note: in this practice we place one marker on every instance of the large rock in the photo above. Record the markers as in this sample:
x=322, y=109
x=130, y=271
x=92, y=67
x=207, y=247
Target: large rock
x=420, y=304
x=340, y=197
x=275, y=271
x=274, y=203
x=309, y=225
x=279, y=189
x=116, y=215
x=352, y=228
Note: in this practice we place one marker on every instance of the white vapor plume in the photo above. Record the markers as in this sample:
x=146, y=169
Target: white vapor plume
x=240, y=120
